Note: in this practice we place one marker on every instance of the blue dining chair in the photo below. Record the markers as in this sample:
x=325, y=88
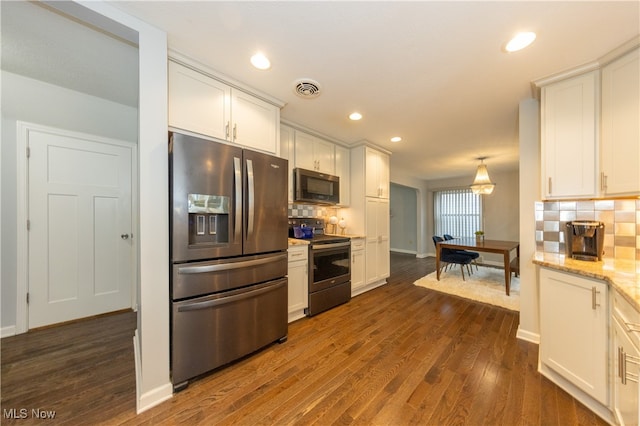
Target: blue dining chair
x=450, y=257
x=472, y=254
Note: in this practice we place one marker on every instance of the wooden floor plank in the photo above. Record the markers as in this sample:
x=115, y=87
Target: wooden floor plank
x=397, y=355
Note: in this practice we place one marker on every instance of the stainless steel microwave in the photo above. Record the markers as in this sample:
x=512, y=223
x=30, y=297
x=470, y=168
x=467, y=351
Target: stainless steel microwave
x=314, y=187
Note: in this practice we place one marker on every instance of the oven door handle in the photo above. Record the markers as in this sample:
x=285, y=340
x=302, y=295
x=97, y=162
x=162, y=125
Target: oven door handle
x=196, y=306
x=228, y=266
x=329, y=246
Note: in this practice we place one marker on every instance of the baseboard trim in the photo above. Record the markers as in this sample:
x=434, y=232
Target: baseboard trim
x=147, y=400
x=154, y=397
x=8, y=331
x=403, y=251
x=528, y=336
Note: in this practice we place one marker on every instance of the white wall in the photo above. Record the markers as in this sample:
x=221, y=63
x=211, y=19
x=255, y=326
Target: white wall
x=152, y=337
x=528, y=329
x=403, y=222
x=33, y=101
x=422, y=208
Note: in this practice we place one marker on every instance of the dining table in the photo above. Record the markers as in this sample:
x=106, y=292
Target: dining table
x=482, y=245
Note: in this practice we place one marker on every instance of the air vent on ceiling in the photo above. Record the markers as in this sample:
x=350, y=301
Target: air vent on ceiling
x=307, y=88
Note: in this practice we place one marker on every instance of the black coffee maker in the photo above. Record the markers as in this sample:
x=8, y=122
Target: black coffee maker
x=584, y=240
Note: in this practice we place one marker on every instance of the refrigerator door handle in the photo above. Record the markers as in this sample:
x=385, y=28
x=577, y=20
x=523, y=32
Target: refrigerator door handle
x=237, y=170
x=225, y=300
x=184, y=270
x=251, y=199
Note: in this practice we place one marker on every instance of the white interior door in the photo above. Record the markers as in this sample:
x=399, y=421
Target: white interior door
x=80, y=233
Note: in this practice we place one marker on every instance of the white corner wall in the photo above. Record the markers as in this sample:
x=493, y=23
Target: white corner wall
x=528, y=329
x=153, y=383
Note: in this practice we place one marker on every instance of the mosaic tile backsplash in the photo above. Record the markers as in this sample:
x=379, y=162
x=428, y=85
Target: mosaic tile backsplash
x=621, y=220
x=308, y=210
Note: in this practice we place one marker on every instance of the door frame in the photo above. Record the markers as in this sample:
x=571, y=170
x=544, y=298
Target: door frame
x=22, y=246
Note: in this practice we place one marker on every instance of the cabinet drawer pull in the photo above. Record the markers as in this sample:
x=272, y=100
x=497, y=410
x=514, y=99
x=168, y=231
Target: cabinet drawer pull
x=594, y=297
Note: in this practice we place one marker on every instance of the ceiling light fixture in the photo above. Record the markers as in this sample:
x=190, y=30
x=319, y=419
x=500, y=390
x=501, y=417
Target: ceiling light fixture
x=355, y=116
x=520, y=41
x=396, y=139
x=260, y=61
x=482, y=184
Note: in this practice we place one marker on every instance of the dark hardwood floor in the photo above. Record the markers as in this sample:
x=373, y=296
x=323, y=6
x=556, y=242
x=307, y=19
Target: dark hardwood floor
x=397, y=355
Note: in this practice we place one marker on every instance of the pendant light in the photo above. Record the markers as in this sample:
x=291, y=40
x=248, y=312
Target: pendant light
x=482, y=184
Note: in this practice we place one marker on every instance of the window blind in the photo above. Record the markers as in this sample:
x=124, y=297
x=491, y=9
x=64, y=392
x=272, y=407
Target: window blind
x=457, y=212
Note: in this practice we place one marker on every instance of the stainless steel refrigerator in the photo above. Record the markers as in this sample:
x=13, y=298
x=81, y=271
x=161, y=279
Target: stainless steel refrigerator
x=229, y=229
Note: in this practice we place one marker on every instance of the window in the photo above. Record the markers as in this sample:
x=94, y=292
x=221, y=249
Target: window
x=457, y=212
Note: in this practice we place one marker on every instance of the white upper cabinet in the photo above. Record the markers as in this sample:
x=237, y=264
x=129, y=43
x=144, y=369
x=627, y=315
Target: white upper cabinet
x=377, y=173
x=198, y=103
x=569, y=137
x=201, y=104
x=620, y=144
x=313, y=153
x=343, y=170
x=287, y=150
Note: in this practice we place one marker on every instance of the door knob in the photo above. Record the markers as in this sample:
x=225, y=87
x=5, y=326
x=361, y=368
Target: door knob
x=124, y=236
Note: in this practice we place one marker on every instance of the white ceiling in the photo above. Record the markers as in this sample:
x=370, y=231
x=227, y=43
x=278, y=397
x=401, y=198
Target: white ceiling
x=431, y=72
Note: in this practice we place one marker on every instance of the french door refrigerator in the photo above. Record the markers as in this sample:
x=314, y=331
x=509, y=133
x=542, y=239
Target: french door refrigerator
x=229, y=230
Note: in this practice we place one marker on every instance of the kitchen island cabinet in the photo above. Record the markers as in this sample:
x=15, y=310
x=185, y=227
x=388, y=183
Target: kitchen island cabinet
x=203, y=105
x=626, y=360
x=575, y=363
x=574, y=321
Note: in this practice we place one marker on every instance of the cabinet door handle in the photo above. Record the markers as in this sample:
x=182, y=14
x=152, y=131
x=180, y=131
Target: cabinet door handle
x=632, y=327
x=235, y=131
x=594, y=297
x=226, y=131
x=623, y=358
x=550, y=186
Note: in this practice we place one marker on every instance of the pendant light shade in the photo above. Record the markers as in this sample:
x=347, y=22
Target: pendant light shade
x=482, y=184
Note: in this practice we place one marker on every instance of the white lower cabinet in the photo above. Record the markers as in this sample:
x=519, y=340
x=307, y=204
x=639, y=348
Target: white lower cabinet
x=357, y=265
x=626, y=360
x=574, y=335
x=298, y=281
x=377, y=247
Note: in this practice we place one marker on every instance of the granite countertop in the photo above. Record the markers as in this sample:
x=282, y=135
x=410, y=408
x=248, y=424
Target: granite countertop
x=623, y=275
x=349, y=235
x=298, y=242
x=302, y=241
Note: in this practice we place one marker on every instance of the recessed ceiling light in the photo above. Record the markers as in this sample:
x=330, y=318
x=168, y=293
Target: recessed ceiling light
x=355, y=116
x=260, y=61
x=396, y=139
x=520, y=41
